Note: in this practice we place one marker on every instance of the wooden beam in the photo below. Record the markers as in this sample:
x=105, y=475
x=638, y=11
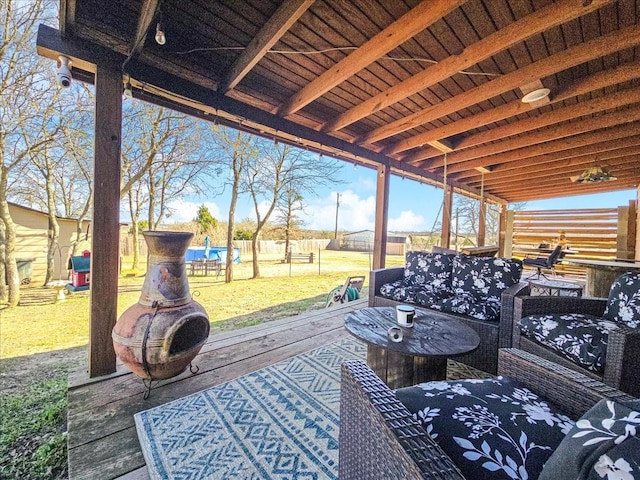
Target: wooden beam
x=568, y=189
x=603, y=79
x=562, y=167
x=148, y=11
x=285, y=16
x=105, y=254
x=581, y=53
x=604, y=149
x=548, y=176
x=382, y=216
x=477, y=157
x=203, y=102
x=447, y=207
x=614, y=100
x=482, y=222
x=411, y=23
x=67, y=16
x=516, y=32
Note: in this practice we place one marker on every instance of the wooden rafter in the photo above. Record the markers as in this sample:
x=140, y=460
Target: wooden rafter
x=395, y=34
x=555, y=146
x=504, y=38
x=616, y=158
x=581, y=53
x=287, y=14
x=563, y=158
x=597, y=81
x=600, y=104
x=148, y=12
x=475, y=157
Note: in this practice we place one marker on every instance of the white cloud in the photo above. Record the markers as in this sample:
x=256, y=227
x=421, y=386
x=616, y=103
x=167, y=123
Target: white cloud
x=185, y=211
x=354, y=212
x=408, y=221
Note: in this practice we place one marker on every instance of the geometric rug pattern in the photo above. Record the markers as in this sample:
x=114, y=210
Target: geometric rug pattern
x=280, y=422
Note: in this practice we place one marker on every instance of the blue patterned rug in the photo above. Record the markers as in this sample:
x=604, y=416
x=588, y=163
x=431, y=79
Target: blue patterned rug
x=280, y=422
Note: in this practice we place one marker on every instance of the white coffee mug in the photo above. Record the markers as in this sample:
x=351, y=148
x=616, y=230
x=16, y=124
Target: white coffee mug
x=404, y=315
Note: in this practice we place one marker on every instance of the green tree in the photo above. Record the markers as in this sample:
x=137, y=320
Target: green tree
x=205, y=219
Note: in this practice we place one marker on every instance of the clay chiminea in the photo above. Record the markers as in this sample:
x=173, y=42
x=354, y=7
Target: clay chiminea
x=158, y=337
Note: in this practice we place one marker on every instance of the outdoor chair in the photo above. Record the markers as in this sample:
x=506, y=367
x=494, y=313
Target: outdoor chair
x=547, y=263
x=519, y=425
x=599, y=337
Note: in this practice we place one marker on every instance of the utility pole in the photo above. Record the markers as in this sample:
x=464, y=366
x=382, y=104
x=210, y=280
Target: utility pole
x=337, y=207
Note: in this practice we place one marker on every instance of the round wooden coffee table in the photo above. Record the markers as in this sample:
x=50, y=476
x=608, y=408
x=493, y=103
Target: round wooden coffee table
x=422, y=354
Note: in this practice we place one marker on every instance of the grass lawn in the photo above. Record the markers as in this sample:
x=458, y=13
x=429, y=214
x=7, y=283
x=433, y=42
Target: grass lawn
x=40, y=343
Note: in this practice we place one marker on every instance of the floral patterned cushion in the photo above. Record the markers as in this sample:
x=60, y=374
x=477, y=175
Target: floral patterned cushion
x=491, y=428
x=483, y=277
x=604, y=443
x=432, y=269
x=579, y=337
x=400, y=291
x=467, y=304
x=623, y=305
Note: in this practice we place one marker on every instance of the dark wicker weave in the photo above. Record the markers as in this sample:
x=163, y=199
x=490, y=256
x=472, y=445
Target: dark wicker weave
x=379, y=439
x=493, y=335
x=622, y=365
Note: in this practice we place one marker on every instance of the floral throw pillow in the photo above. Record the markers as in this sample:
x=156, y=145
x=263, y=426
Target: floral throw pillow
x=433, y=269
x=484, y=278
x=603, y=444
x=491, y=428
x=623, y=305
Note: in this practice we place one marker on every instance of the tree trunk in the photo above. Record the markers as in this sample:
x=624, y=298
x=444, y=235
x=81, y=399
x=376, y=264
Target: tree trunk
x=53, y=233
x=3, y=285
x=256, y=265
x=11, y=268
x=228, y=268
x=135, y=247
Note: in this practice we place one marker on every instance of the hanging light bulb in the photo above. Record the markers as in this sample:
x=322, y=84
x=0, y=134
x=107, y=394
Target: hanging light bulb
x=160, y=37
x=128, y=92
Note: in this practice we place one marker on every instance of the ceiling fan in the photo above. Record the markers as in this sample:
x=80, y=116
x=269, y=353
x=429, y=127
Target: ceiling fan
x=594, y=175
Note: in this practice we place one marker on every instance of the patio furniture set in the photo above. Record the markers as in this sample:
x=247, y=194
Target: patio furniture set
x=566, y=402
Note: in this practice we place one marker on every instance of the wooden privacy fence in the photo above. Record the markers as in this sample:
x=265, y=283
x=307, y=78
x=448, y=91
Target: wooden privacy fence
x=602, y=233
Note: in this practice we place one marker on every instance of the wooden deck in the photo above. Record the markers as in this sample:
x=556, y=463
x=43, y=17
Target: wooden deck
x=102, y=439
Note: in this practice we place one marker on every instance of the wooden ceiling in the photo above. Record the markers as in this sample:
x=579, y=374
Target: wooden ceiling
x=399, y=81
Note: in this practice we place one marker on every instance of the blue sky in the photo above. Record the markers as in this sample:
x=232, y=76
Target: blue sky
x=412, y=206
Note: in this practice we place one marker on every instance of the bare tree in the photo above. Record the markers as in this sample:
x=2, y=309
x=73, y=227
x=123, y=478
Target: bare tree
x=162, y=158
x=236, y=150
x=286, y=215
x=25, y=96
x=278, y=176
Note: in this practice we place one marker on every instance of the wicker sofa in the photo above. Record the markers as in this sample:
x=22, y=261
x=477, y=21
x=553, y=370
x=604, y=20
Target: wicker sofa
x=599, y=337
x=425, y=282
x=380, y=438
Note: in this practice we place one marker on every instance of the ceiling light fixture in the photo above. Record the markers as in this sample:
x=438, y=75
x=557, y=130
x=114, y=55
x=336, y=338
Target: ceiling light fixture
x=594, y=175
x=536, y=95
x=161, y=39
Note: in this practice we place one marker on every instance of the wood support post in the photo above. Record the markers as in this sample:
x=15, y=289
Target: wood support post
x=506, y=232
x=482, y=222
x=445, y=234
x=626, y=231
x=637, y=249
x=106, y=221
x=382, y=215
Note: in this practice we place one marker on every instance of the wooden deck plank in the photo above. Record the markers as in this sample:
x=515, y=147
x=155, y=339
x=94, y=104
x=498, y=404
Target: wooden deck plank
x=102, y=439
x=112, y=389
x=93, y=420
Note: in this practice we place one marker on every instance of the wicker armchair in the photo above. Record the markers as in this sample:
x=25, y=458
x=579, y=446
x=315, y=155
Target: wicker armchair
x=380, y=439
x=622, y=364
